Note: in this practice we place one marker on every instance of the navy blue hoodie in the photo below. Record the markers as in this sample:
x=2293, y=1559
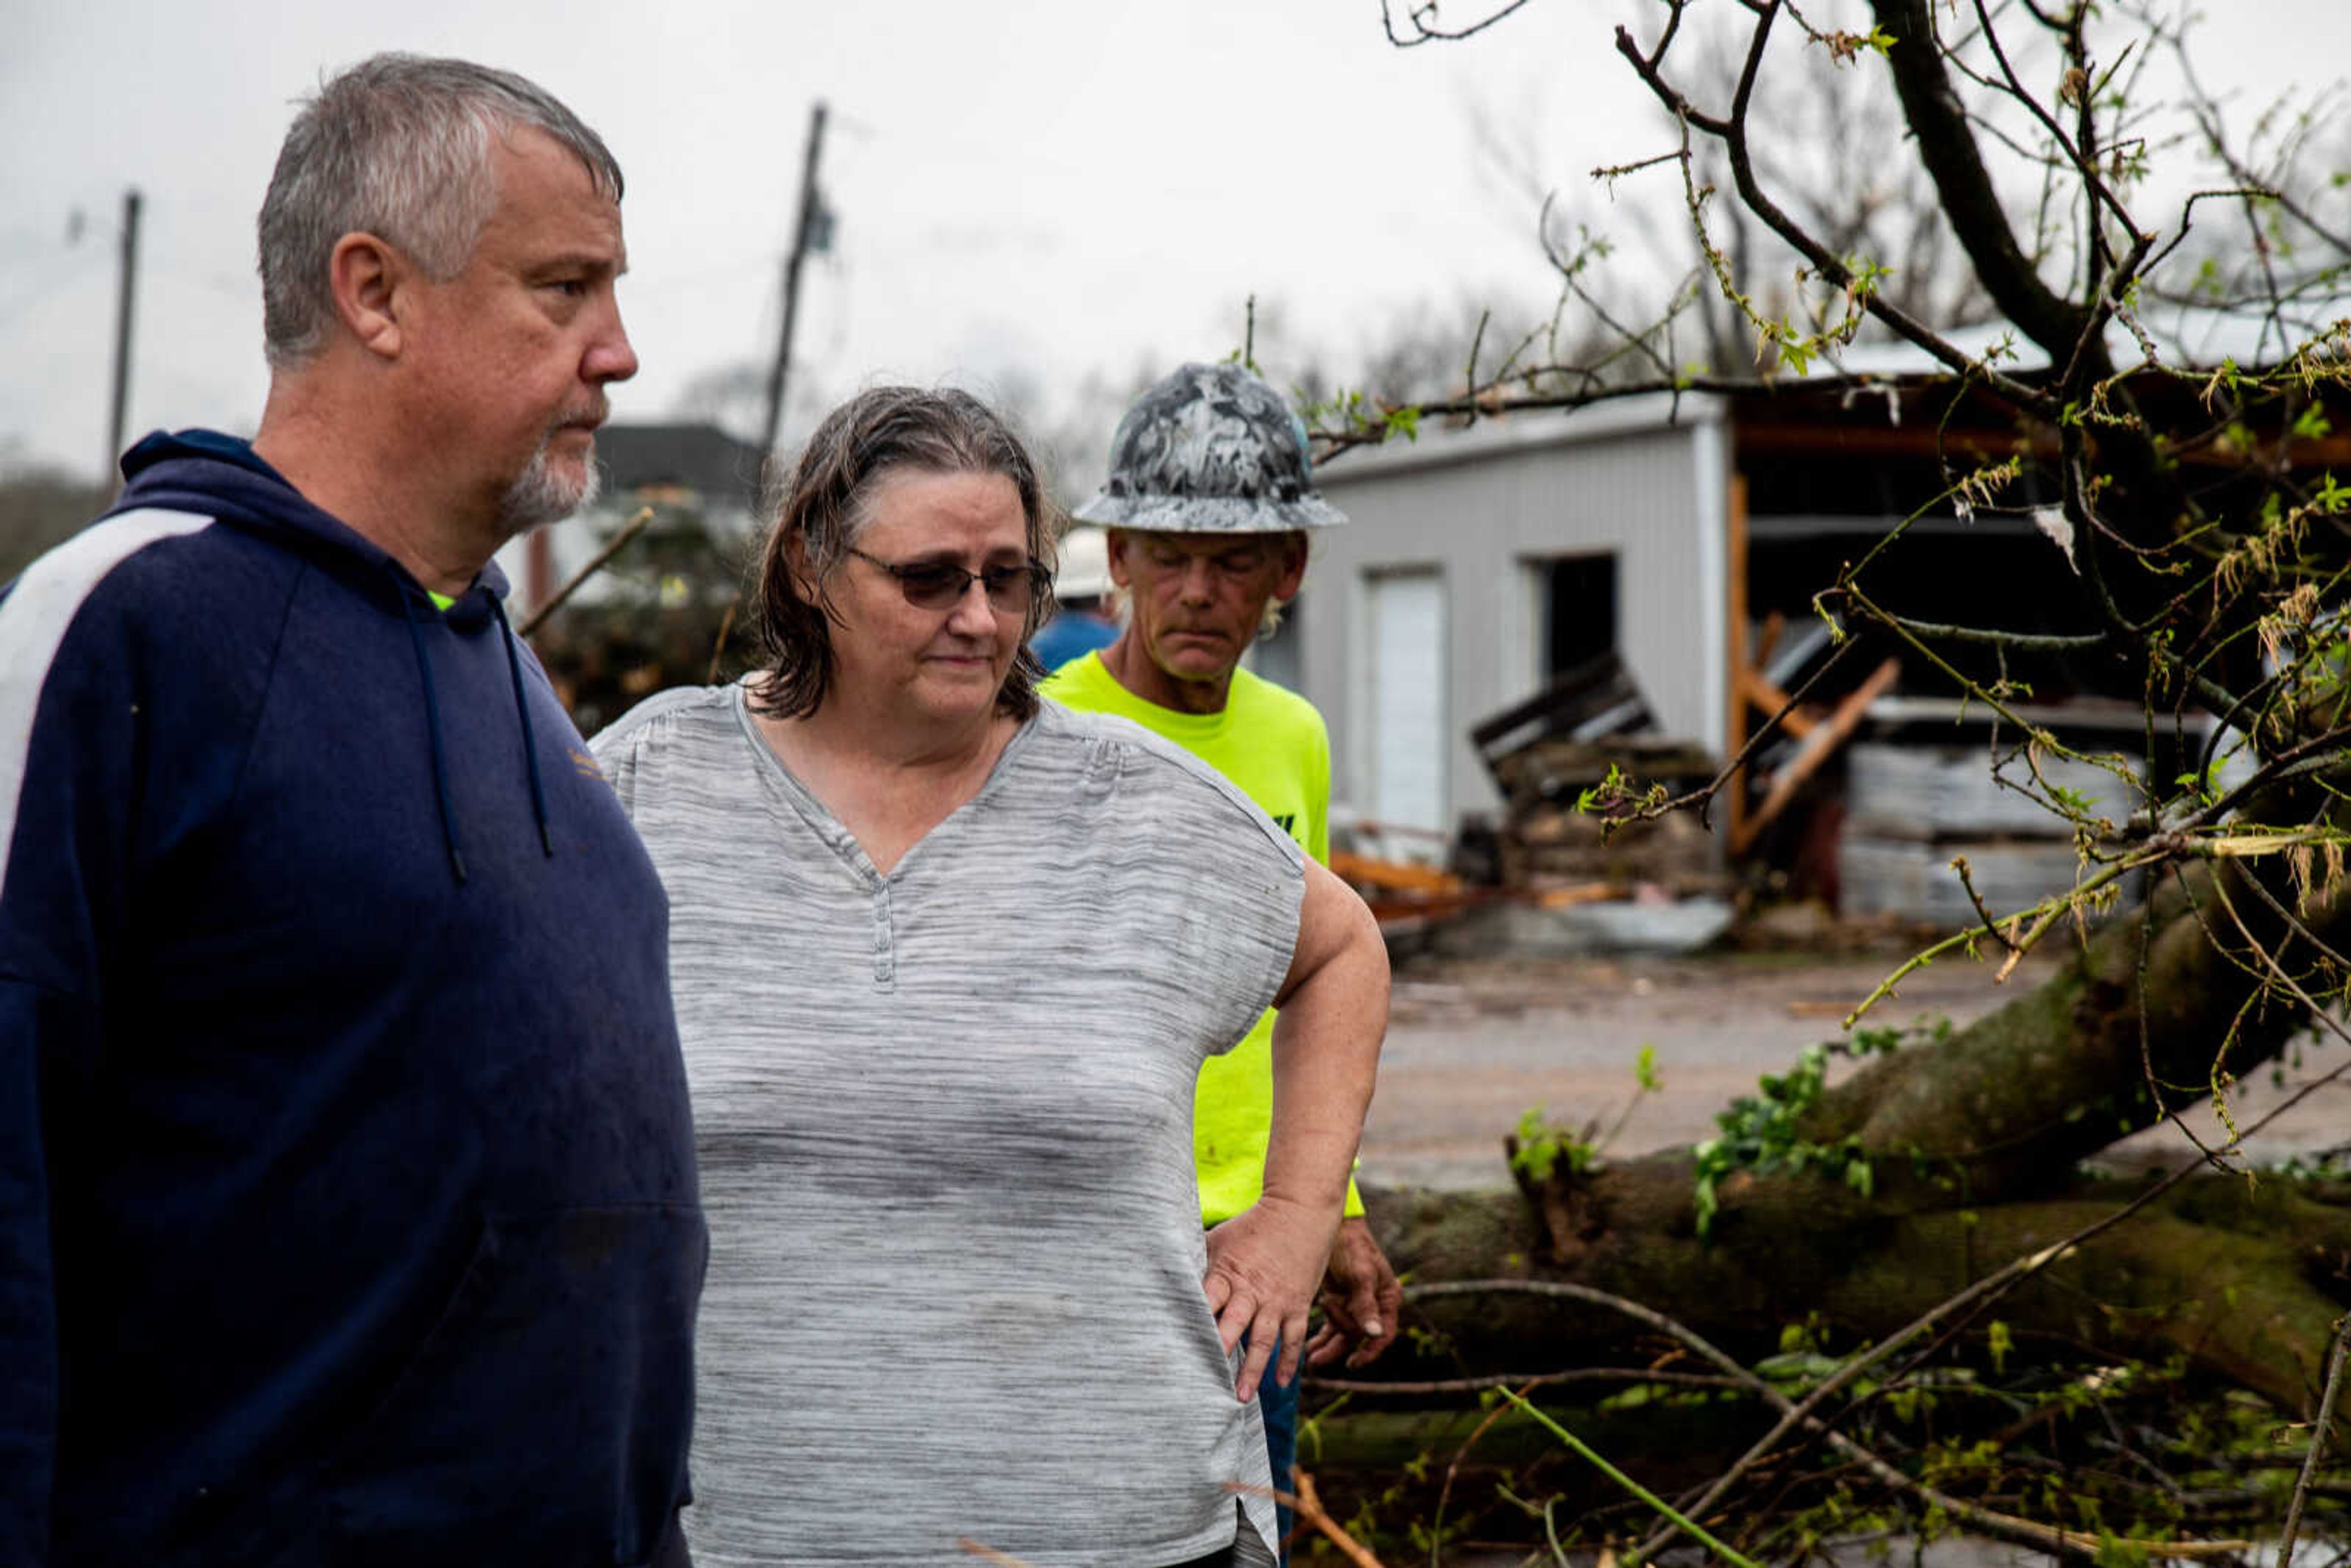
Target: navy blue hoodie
x=347, y=1192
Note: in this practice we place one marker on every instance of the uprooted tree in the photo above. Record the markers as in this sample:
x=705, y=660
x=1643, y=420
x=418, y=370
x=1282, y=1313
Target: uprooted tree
x=2103, y=209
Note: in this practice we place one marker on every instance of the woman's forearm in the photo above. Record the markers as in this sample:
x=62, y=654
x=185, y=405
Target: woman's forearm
x=1326, y=1045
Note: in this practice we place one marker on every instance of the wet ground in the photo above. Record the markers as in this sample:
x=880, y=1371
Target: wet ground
x=1474, y=1044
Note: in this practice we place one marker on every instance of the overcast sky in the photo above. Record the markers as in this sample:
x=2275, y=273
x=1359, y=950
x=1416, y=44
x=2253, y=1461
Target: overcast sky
x=1026, y=194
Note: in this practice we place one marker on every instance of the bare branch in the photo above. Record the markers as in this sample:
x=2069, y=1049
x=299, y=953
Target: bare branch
x=595, y=563
x=1421, y=18
x=1948, y=150
x=2318, y=1426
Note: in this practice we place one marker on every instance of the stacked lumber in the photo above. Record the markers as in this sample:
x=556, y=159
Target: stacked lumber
x=1547, y=752
x=1546, y=846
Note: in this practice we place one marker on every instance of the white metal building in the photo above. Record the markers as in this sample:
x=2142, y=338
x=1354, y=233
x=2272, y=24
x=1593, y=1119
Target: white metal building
x=1477, y=564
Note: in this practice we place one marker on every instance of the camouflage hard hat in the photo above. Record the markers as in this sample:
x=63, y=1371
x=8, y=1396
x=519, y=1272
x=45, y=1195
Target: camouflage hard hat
x=1210, y=450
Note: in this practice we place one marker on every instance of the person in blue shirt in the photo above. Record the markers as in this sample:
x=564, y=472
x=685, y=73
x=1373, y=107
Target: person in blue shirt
x=1083, y=587
x=348, y=1203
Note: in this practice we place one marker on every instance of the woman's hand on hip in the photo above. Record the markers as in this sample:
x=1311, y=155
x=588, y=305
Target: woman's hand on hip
x=1265, y=1265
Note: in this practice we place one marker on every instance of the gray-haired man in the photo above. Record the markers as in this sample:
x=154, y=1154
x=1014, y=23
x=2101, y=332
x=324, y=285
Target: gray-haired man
x=348, y=1208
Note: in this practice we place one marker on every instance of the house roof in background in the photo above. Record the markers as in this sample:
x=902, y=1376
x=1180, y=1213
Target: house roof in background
x=699, y=457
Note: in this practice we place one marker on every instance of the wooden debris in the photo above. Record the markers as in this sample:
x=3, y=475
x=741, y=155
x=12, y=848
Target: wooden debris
x=1818, y=745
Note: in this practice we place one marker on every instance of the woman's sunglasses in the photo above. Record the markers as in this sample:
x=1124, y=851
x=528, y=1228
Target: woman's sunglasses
x=941, y=584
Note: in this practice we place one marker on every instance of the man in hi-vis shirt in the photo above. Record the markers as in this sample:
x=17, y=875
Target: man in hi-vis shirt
x=1208, y=507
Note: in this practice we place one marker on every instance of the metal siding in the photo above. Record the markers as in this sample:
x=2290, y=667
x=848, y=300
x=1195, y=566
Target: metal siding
x=1637, y=493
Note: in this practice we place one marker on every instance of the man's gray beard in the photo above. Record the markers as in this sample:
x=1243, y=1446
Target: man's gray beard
x=540, y=495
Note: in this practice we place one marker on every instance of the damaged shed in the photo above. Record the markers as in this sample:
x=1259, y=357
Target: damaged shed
x=1687, y=540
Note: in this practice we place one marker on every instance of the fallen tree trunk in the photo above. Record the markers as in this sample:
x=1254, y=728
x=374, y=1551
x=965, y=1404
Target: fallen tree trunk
x=2162, y=1007
x=1969, y=1153
x=2247, y=1282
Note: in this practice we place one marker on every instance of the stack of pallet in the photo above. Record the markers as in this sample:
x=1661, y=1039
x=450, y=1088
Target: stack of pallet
x=1546, y=843
x=1546, y=753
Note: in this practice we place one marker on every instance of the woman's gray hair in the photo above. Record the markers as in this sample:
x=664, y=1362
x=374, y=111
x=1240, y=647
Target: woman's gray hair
x=823, y=506
x=399, y=147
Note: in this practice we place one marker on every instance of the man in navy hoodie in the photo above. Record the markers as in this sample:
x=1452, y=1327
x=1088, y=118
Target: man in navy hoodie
x=348, y=1209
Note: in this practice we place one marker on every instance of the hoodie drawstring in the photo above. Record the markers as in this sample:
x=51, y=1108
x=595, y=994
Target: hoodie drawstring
x=433, y=723
x=522, y=708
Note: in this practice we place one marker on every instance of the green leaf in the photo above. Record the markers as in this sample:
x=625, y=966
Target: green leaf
x=1638, y=1395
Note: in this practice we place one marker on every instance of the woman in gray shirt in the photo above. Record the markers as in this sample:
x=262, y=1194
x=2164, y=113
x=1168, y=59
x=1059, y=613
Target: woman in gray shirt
x=946, y=963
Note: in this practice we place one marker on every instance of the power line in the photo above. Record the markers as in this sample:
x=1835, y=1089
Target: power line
x=121, y=401
x=814, y=231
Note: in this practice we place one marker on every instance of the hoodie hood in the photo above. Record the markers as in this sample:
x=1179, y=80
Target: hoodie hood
x=217, y=475
x=211, y=475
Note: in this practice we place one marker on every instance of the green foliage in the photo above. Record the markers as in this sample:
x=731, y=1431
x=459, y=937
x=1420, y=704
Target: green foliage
x=1802, y=1338
x=1761, y=1133
x=2131, y=1452
x=2072, y=802
x=1604, y=793
x=1617, y=799
x=2330, y=497
x=1351, y=415
x=1424, y=1341
x=1654, y=1503
x=1541, y=1146
x=1797, y=1372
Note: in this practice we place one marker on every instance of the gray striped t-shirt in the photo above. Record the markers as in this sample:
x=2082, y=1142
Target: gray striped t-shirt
x=945, y=1126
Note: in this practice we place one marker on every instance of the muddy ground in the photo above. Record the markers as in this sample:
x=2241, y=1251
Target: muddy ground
x=1474, y=1044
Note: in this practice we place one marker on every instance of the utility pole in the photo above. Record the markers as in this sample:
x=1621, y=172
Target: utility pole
x=814, y=230
x=121, y=403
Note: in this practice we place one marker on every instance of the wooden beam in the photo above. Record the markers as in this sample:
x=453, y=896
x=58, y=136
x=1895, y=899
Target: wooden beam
x=1792, y=440
x=1394, y=877
x=1819, y=746
x=1580, y=892
x=1769, y=699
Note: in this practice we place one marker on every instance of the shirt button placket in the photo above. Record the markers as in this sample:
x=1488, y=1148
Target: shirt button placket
x=886, y=961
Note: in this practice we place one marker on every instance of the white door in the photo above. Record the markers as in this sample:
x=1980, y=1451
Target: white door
x=1409, y=746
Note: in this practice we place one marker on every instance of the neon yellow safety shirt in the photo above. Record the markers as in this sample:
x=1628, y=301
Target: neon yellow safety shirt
x=1273, y=743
